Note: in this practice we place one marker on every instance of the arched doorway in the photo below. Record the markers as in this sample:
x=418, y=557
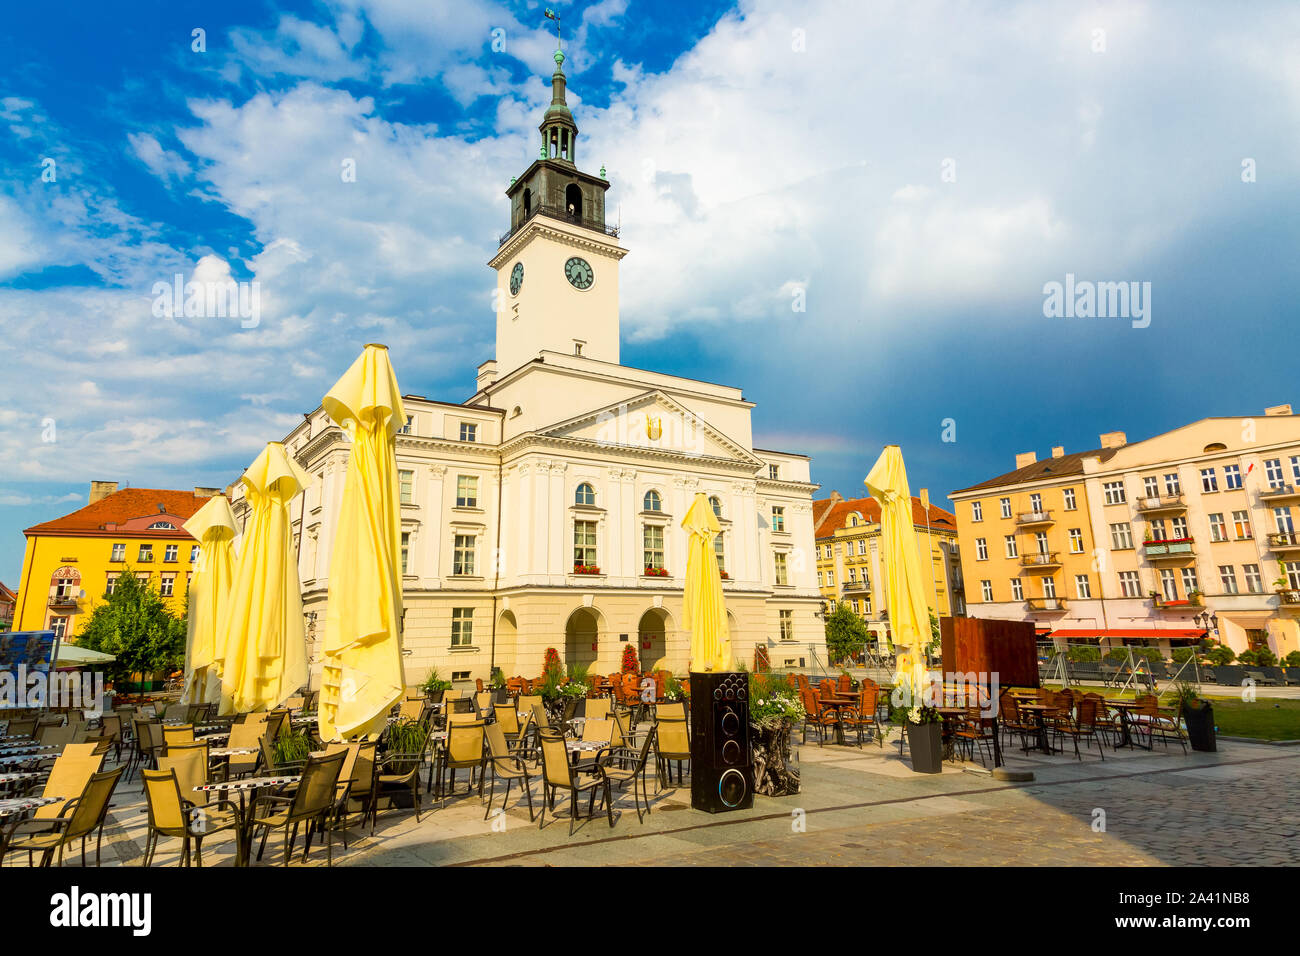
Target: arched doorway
x=507, y=649
x=652, y=639
x=582, y=637
x=573, y=200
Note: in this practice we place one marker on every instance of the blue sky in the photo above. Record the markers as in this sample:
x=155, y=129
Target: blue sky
x=755, y=150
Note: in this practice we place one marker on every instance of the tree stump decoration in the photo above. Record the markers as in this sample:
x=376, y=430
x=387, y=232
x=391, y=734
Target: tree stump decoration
x=773, y=775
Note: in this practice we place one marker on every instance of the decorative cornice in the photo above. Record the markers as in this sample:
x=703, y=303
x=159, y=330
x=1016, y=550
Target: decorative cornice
x=538, y=227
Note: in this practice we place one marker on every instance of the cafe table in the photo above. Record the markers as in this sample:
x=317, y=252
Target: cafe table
x=578, y=747
x=837, y=703
x=1125, y=733
x=1039, y=712
x=244, y=819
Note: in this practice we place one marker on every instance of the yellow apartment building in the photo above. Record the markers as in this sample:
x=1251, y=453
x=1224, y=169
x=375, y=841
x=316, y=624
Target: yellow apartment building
x=1156, y=542
x=71, y=563
x=850, y=556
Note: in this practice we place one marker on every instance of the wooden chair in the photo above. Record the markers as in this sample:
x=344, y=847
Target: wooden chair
x=863, y=716
x=1084, y=724
x=816, y=714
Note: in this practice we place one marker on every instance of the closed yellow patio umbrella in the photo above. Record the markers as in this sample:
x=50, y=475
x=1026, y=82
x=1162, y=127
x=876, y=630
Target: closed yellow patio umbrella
x=362, y=673
x=704, y=610
x=213, y=526
x=909, y=612
x=262, y=628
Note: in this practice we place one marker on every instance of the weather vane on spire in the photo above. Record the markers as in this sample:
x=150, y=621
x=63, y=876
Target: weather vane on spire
x=559, y=37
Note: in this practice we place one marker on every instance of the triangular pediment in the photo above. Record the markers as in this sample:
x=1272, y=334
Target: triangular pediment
x=655, y=422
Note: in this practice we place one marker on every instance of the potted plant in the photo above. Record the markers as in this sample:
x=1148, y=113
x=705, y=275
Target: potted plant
x=586, y=569
x=653, y=572
x=1198, y=717
x=924, y=729
x=774, y=709
x=630, y=665
x=497, y=684
x=404, y=746
x=434, y=686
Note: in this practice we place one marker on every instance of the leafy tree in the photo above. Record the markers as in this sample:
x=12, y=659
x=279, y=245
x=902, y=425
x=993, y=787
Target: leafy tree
x=135, y=625
x=1293, y=659
x=846, y=633
x=1221, y=655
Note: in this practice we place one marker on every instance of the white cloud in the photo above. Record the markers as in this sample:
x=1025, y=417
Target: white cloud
x=164, y=164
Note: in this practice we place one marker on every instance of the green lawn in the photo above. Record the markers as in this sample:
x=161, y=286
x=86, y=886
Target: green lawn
x=1267, y=719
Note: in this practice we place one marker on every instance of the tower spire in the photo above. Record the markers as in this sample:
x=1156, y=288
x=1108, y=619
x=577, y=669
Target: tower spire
x=559, y=131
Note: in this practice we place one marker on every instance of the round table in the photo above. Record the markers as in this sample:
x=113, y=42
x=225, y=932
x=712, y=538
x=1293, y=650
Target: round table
x=244, y=827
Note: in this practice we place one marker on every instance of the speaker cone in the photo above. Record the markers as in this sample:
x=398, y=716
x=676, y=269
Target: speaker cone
x=732, y=788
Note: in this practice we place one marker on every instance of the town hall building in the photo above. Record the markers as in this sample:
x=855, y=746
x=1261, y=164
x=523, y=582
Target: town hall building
x=545, y=510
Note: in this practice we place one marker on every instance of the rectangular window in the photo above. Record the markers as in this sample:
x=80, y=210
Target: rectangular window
x=774, y=472
x=466, y=491
x=406, y=487
x=1241, y=525
x=1180, y=528
x=786, y=619
x=1190, y=582
x=1273, y=473
x=146, y=554
x=1076, y=541
x=584, y=544
x=986, y=589
x=1295, y=469
x=830, y=578
x=1218, y=530
x=119, y=553
x=1082, y=587
x=778, y=518
x=1292, y=571
x=976, y=511
x=1049, y=587
x=406, y=428
x=1254, y=583
x=462, y=627
x=1114, y=492
x=1017, y=590
x=468, y=432
x=862, y=546
x=866, y=604
x=1011, y=546
x=1209, y=480
x=462, y=559
x=1006, y=507
x=652, y=538
x=194, y=553
x=1121, y=536
x=1036, y=503
x=1173, y=486
x=854, y=605
x=853, y=575
x=781, y=577
x=981, y=549
x=59, y=625
x=1282, y=519
x=168, y=585
x=112, y=582
x=720, y=551
x=1158, y=532
x=1151, y=486
x=1228, y=575
x=1040, y=540
x=1168, y=584
x=1129, y=585
x=170, y=553
x=1070, y=503
x=820, y=579
x=1232, y=476
x=406, y=549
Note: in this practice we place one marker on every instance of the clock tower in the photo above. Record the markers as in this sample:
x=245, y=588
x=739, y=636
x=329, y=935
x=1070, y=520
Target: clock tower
x=557, y=267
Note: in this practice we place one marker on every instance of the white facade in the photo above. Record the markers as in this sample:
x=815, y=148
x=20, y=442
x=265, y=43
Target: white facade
x=495, y=515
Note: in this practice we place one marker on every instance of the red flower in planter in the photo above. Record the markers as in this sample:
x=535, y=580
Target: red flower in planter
x=630, y=664
x=586, y=569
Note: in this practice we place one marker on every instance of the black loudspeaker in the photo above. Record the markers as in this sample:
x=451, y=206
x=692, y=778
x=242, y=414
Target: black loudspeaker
x=722, y=767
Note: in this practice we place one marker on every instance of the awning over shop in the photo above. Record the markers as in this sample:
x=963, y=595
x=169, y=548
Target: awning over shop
x=1120, y=633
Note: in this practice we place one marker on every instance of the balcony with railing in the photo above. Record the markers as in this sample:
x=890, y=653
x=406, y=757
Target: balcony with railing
x=66, y=601
x=1168, y=549
x=1284, y=541
x=1152, y=503
x=1162, y=603
x=1045, y=605
x=563, y=215
x=1040, y=560
x=856, y=587
x=1280, y=492
x=1028, y=518
x=1289, y=597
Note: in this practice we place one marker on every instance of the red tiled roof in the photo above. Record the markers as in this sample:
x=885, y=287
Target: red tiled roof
x=122, y=506
x=837, y=516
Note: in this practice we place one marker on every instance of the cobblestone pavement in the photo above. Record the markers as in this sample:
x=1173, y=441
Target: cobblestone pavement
x=862, y=806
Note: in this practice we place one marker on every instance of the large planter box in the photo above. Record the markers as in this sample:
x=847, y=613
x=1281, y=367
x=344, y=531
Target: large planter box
x=1200, y=727
x=773, y=775
x=925, y=744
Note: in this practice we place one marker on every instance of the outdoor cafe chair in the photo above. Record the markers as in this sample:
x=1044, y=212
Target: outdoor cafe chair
x=462, y=751
x=77, y=819
x=1103, y=719
x=1084, y=724
x=507, y=718
x=671, y=710
x=271, y=765
x=1012, y=722
x=56, y=735
x=411, y=708
x=311, y=804
x=357, y=793
x=817, y=714
x=844, y=684
x=398, y=772
x=148, y=745
x=244, y=736
x=22, y=727
x=597, y=708
x=175, y=711
x=974, y=730
x=178, y=734
x=172, y=815
x=110, y=725
x=510, y=767
x=673, y=743
x=558, y=773
x=277, y=722
x=632, y=770
x=863, y=716
x=483, y=703
x=1150, y=719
